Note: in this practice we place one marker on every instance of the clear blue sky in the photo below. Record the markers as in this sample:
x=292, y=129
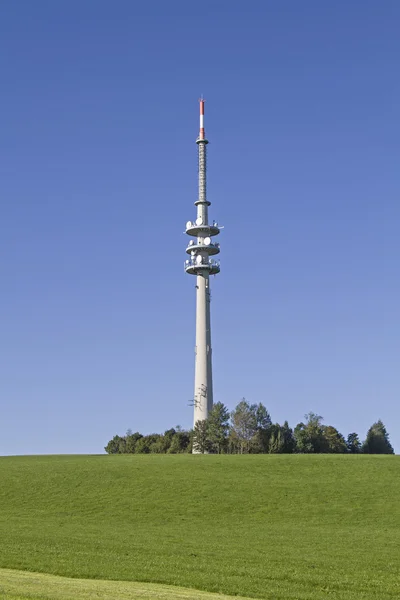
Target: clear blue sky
x=99, y=116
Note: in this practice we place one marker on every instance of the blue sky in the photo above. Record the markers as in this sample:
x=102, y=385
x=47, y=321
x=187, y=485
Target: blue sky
x=99, y=116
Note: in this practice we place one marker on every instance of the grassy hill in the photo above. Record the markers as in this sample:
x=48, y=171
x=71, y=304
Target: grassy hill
x=280, y=527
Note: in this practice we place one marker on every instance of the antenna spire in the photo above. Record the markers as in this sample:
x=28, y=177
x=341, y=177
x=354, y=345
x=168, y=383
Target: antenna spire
x=201, y=132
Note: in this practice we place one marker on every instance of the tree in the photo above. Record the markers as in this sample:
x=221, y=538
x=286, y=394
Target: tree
x=261, y=438
x=263, y=418
x=377, y=441
x=353, y=443
x=116, y=445
x=201, y=443
x=243, y=426
x=131, y=440
x=335, y=442
x=275, y=443
x=181, y=442
x=218, y=428
x=160, y=445
x=309, y=436
x=281, y=440
x=143, y=445
x=169, y=434
x=289, y=443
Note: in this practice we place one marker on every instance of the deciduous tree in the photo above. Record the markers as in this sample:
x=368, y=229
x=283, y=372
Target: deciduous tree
x=201, y=442
x=116, y=445
x=309, y=436
x=131, y=441
x=243, y=426
x=181, y=442
x=335, y=442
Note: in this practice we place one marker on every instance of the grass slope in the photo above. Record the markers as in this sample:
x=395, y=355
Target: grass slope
x=274, y=527
x=21, y=585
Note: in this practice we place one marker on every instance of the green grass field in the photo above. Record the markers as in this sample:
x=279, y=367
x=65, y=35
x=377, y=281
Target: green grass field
x=277, y=527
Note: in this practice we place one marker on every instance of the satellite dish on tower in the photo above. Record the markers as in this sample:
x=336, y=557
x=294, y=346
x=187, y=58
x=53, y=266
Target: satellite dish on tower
x=207, y=241
x=188, y=224
x=199, y=221
x=199, y=259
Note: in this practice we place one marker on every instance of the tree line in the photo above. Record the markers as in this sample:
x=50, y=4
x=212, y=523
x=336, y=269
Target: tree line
x=249, y=429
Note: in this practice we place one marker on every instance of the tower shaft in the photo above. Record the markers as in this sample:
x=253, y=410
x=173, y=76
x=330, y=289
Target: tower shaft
x=201, y=265
x=203, y=389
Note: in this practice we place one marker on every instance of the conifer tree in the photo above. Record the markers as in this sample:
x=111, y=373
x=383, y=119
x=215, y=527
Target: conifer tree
x=353, y=443
x=218, y=428
x=377, y=440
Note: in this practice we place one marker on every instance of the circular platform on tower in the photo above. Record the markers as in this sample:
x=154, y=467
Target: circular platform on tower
x=207, y=246
x=195, y=229
x=193, y=267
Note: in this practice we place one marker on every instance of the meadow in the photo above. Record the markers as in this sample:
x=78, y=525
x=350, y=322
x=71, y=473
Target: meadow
x=282, y=527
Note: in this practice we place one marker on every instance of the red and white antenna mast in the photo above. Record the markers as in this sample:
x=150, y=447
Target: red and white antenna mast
x=201, y=132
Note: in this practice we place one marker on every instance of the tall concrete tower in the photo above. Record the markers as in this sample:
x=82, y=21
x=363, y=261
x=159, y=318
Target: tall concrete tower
x=200, y=263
